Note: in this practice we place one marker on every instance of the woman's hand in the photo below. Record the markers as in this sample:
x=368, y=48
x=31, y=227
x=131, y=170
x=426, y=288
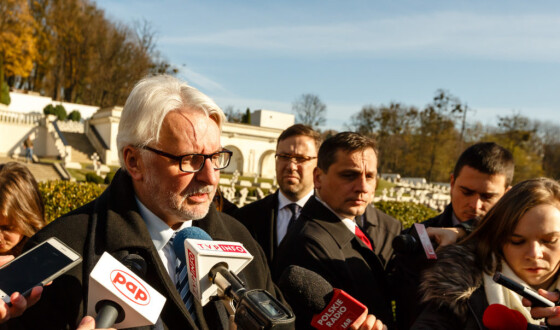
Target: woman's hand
x=19, y=302
x=552, y=314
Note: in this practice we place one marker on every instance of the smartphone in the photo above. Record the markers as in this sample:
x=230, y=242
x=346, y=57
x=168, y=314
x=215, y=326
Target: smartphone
x=36, y=267
x=536, y=299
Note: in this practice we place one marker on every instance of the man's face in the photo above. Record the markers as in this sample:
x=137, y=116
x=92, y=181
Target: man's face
x=473, y=193
x=173, y=195
x=295, y=178
x=349, y=184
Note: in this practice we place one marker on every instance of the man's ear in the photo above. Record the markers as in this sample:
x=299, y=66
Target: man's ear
x=317, y=173
x=133, y=162
x=452, y=181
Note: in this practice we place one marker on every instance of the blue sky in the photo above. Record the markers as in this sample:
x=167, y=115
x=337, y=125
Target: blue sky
x=499, y=57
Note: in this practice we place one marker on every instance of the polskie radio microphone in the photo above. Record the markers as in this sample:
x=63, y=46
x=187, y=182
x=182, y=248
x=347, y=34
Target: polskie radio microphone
x=308, y=292
x=212, y=267
x=500, y=317
x=118, y=297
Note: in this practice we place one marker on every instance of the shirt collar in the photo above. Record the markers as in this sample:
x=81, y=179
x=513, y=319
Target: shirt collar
x=328, y=207
x=454, y=220
x=349, y=223
x=159, y=231
x=283, y=201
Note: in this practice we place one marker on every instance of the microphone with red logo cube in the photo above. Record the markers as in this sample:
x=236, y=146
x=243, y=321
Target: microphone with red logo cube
x=113, y=284
x=200, y=253
x=212, y=269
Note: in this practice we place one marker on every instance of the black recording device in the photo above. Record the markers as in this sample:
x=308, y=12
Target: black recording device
x=536, y=299
x=255, y=309
x=415, y=241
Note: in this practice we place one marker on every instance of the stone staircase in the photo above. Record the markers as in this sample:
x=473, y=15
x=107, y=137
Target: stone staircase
x=41, y=171
x=81, y=147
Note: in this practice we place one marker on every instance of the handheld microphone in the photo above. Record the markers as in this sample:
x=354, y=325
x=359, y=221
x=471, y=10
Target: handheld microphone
x=119, y=297
x=109, y=312
x=536, y=299
x=416, y=240
x=309, y=293
x=255, y=309
x=195, y=248
x=500, y=317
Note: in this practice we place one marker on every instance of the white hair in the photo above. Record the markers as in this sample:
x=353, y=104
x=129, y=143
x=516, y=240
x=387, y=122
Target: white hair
x=151, y=99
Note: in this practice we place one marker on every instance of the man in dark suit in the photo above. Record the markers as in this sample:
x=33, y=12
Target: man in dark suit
x=482, y=175
x=268, y=219
x=381, y=229
x=326, y=239
x=170, y=153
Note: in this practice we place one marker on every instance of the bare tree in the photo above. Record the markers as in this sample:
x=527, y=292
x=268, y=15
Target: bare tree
x=310, y=110
x=232, y=115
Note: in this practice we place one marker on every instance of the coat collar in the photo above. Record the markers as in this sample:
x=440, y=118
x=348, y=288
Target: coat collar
x=324, y=217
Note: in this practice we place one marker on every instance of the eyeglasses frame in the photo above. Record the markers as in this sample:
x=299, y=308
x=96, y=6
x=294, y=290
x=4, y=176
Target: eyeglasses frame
x=180, y=158
x=297, y=159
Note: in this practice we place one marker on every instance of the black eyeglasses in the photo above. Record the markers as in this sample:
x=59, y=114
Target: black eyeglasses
x=192, y=163
x=294, y=158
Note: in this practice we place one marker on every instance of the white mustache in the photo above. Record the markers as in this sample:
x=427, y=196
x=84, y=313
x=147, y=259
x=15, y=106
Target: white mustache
x=201, y=190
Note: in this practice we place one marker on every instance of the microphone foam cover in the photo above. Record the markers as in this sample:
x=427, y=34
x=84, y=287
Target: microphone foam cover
x=182, y=235
x=405, y=244
x=500, y=317
x=305, y=290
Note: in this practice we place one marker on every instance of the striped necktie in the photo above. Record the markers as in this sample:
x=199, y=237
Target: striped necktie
x=182, y=284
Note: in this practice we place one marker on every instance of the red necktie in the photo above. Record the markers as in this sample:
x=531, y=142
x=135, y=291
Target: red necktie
x=363, y=237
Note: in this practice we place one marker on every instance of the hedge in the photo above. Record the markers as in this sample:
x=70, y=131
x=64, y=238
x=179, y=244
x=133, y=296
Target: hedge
x=92, y=177
x=406, y=212
x=61, y=197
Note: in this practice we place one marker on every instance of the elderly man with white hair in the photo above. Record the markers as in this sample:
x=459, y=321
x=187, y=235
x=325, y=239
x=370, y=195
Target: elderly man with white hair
x=171, y=157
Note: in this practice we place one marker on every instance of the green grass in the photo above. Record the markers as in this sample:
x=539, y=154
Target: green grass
x=382, y=184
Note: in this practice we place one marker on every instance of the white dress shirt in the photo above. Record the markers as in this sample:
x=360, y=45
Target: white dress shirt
x=161, y=233
x=285, y=214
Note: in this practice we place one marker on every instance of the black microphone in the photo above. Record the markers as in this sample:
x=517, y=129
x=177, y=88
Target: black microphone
x=316, y=302
x=108, y=311
x=415, y=241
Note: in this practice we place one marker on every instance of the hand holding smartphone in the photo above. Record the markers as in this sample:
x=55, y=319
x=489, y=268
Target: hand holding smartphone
x=36, y=267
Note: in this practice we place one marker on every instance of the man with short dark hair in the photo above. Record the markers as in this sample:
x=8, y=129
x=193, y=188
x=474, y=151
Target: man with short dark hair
x=482, y=175
x=327, y=240
x=268, y=219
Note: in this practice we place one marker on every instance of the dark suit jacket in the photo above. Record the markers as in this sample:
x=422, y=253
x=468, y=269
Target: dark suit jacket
x=445, y=219
x=260, y=219
x=406, y=275
x=381, y=228
x=112, y=223
x=320, y=242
